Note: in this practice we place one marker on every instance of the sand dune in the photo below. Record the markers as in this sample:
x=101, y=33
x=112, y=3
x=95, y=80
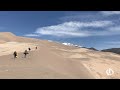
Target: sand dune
x=41, y=63
x=53, y=60
x=7, y=36
x=2, y=41
x=95, y=61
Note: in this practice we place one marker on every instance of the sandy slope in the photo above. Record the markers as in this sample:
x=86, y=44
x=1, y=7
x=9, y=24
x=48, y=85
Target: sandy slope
x=10, y=47
x=53, y=60
x=41, y=63
x=95, y=61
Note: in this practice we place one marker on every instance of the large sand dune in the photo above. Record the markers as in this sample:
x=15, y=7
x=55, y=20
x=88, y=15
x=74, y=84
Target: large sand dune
x=53, y=60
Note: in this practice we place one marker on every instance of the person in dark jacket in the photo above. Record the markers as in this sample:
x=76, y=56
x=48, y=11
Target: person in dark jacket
x=29, y=49
x=15, y=54
x=25, y=53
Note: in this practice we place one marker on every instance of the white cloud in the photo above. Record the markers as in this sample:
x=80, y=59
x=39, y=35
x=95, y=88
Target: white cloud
x=75, y=29
x=108, y=13
x=31, y=35
x=115, y=29
x=72, y=28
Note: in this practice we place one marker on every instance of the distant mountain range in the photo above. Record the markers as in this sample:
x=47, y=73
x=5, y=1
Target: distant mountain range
x=92, y=49
x=114, y=50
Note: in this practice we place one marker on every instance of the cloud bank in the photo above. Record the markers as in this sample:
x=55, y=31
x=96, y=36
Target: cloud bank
x=73, y=29
x=80, y=28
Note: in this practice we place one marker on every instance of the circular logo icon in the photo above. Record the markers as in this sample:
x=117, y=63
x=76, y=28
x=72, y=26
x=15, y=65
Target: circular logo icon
x=109, y=71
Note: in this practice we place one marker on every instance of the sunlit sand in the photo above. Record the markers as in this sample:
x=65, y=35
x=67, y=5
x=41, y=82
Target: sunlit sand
x=53, y=60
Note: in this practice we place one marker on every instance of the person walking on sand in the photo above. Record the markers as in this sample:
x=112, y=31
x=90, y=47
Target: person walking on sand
x=29, y=49
x=25, y=53
x=35, y=47
x=15, y=54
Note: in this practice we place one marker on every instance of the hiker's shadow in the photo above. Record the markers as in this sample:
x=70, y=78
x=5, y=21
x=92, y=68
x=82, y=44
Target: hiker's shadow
x=13, y=58
x=25, y=57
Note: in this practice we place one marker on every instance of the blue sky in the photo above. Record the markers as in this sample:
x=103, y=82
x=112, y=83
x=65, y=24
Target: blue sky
x=99, y=29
